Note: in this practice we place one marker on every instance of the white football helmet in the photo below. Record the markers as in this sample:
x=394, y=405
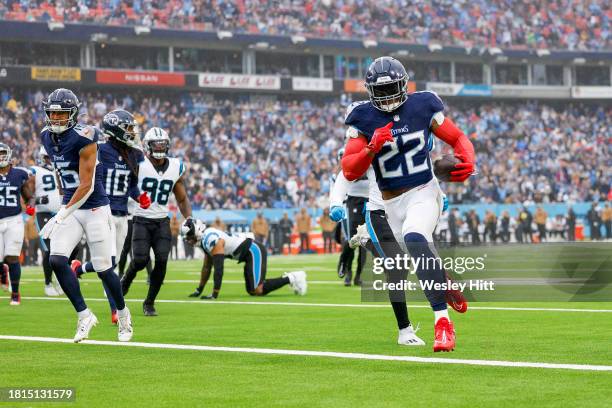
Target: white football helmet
x=156, y=143
x=5, y=155
x=42, y=157
x=192, y=230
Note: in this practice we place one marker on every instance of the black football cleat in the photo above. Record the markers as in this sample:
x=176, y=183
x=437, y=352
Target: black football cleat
x=148, y=309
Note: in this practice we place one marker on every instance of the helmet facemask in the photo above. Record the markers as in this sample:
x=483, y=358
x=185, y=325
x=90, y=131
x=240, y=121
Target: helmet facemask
x=5, y=155
x=60, y=119
x=158, y=149
x=388, y=96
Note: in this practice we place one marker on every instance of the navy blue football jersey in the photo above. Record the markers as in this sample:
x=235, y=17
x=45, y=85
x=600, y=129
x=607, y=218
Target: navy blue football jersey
x=64, y=152
x=10, y=191
x=119, y=182
x=406, y=162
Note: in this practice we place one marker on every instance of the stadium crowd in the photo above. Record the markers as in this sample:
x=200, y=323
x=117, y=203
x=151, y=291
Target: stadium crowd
x=264, y=153
x=558, y=24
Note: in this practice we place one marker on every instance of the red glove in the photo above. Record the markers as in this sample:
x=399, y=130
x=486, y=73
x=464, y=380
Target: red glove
x=144, y=200
x=463, y=148
x=30, y=210
x=381, y=136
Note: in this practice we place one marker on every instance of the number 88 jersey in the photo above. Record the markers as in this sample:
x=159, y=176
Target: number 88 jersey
x=158, y=186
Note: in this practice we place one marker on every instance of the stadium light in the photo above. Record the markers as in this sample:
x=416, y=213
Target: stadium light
x=543, y=53
x=142, y=30
x=223, y=35
x=55, y=25
x=434, y=47
x=579, y=61
x=298, y=39
x=370, y=43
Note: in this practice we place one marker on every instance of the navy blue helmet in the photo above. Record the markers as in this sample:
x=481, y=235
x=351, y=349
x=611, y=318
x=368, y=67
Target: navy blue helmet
x=121, y=126
x=61, y=110
x=386, y=82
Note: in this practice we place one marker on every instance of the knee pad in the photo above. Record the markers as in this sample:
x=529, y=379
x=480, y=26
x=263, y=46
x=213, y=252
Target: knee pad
x=58, y=262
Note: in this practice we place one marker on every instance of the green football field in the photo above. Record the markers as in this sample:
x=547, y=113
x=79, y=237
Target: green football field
x=325, y=349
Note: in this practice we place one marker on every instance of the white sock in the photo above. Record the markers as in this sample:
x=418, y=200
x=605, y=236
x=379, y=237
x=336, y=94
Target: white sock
x=123, y=312
x=83, y=314
x=438, y=314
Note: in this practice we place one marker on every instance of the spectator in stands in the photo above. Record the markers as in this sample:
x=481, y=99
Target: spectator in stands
x=260, y=228
x=540, y=219
x=327, y=226
x=304, y=225
x=286, y=226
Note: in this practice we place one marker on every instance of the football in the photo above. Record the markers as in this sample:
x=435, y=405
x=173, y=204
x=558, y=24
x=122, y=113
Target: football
x=444, y=165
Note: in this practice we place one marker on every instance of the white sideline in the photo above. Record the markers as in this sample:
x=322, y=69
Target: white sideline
x=332, y=354
x=339, y=305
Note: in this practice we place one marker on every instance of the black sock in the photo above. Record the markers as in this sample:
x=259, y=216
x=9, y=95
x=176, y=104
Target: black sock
x=15, y=274
x=126, y=280
x=157, y=279
x=68, y=282
x=401, y=314
x=47, y=268
x=272, y=284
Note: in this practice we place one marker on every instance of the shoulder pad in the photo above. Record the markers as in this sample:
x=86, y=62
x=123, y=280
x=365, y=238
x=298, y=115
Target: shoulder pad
x=25, y=170
x=353, y=106
x=86, y=131
x=182, y=167
x=432, y=100
x=351, y=132
x=32, y=169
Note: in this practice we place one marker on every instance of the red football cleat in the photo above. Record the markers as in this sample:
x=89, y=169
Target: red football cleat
x=114, y=317
x=444, y=335
x=455, y=299
x=74, y=265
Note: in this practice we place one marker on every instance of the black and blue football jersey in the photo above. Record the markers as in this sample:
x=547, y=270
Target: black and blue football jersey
x=64, y=152
x=406, y=162
x=10, y=191
x=119, y=182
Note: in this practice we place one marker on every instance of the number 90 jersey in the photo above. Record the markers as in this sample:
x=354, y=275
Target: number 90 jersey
x=405, y=163
x=48, y=198
x=158, y=186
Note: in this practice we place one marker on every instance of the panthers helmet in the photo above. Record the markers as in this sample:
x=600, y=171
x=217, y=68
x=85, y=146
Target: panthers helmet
x=64, y=101
x=42, y=158
x=6, y=153
x=156, y=143
x=386, y=82
x=121, y=126
x=192, y=230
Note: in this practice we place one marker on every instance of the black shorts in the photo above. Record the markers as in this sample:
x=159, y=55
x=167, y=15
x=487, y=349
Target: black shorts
x=381, y=234
x=355, y=215
x=255, y=260
x=150, y=233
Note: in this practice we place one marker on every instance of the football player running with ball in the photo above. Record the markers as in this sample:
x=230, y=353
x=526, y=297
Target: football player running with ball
x=15, y=182
x=73, y=149
x=218, y=245
x=391, y=132
x=158, y=177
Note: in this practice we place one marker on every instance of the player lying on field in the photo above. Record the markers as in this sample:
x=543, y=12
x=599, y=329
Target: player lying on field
x=218, y=245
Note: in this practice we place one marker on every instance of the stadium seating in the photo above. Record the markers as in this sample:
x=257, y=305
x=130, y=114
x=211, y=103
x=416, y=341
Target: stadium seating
x=561, y=24
x=282, y=154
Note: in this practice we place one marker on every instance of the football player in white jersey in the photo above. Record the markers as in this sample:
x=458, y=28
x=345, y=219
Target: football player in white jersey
x=218, y=245
x=158, y=177
x=47, y=204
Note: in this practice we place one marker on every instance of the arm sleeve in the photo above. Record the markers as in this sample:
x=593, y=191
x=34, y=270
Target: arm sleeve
x=451, y=134
x=218, y=261
x=337, y=194
x=356, y=159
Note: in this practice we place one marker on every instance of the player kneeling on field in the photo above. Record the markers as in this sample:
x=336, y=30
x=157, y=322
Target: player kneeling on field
x=218, y=245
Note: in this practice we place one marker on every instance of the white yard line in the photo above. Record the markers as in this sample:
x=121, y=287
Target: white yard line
x=328, y=354
x=337, y=305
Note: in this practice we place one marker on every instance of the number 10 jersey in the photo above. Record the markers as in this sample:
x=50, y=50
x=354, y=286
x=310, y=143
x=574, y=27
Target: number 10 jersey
x=158, y=186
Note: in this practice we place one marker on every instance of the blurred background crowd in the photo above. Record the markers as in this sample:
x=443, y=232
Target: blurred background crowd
x=560, y=24
x=273, y=154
